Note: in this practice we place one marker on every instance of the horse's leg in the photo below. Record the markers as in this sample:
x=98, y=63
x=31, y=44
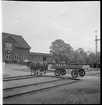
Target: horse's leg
x=34, y=72
x=41, y=71
x=31, y=71
x=37, y=71
x=44, y=70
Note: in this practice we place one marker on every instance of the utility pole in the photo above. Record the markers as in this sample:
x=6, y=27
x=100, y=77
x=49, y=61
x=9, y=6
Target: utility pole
x=96, y=47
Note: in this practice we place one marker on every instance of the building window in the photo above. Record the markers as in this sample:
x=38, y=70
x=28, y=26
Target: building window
x=8, y=46
x=16, y=56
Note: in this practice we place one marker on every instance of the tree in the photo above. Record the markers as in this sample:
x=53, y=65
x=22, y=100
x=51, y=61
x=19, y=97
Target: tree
x=76, y=57
x=59, y=46
x=98, y=56
x=83, y=55
x=91, y=57
x=61, y=50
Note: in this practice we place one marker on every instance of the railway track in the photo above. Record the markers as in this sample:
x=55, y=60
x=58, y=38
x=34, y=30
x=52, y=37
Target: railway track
x=27, y=77
x=35, y=87
x=20, y=77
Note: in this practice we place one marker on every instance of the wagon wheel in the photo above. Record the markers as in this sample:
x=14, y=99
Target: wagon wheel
x=81, y=72
x=74, y=74
x=63, y=71
x=57, y=72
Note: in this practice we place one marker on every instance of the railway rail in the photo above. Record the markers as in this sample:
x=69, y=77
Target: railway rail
x=20, y=77
x=26, y=77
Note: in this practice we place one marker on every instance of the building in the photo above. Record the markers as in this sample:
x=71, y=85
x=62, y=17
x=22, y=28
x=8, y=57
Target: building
x=14, y=48
x=41, y=56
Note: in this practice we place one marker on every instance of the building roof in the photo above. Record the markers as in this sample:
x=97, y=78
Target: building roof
x=19, y=39
x=44, y=54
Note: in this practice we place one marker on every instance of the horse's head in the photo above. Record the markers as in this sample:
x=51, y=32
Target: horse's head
x=28, y=63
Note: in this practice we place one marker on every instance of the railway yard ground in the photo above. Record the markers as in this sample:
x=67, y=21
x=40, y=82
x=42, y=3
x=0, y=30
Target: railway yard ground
x=21, y=88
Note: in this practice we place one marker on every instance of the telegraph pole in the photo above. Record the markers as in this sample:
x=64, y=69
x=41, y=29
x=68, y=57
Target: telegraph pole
x=96, y=47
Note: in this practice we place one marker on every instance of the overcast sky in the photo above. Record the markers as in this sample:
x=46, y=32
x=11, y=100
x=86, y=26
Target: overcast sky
x=40, y=23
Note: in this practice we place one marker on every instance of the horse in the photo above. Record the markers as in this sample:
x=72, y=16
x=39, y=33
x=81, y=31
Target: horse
x=37, y=65
x=43, y=66
x=33, y=66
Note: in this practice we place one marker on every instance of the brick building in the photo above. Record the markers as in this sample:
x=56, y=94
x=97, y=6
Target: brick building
x=41, y=56
x=14, y=48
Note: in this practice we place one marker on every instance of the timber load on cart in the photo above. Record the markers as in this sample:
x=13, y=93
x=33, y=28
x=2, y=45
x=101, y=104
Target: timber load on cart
x=76, y=70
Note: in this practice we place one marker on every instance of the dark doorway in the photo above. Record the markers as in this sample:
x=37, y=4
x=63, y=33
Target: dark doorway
x=44, y=58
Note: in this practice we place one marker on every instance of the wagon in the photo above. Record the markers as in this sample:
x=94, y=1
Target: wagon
x=76, y=70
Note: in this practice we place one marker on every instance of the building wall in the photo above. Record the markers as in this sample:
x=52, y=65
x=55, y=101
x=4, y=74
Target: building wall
x=22, y=52
x=50, y=59
x=8, y=40
x=36, y=57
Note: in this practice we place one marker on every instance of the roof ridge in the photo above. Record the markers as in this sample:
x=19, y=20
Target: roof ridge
x=11, y=34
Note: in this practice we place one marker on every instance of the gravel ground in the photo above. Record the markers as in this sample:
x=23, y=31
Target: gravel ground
x=87, y=91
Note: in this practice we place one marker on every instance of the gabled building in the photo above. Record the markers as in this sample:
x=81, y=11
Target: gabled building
x=14, y=48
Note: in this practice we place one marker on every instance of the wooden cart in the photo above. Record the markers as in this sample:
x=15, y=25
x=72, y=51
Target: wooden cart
x=76, y=70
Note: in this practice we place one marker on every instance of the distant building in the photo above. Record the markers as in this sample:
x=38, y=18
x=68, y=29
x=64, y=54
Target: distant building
x=41, y=57
x=14, y=48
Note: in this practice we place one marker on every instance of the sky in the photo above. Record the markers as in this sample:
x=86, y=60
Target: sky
x=40, y=23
